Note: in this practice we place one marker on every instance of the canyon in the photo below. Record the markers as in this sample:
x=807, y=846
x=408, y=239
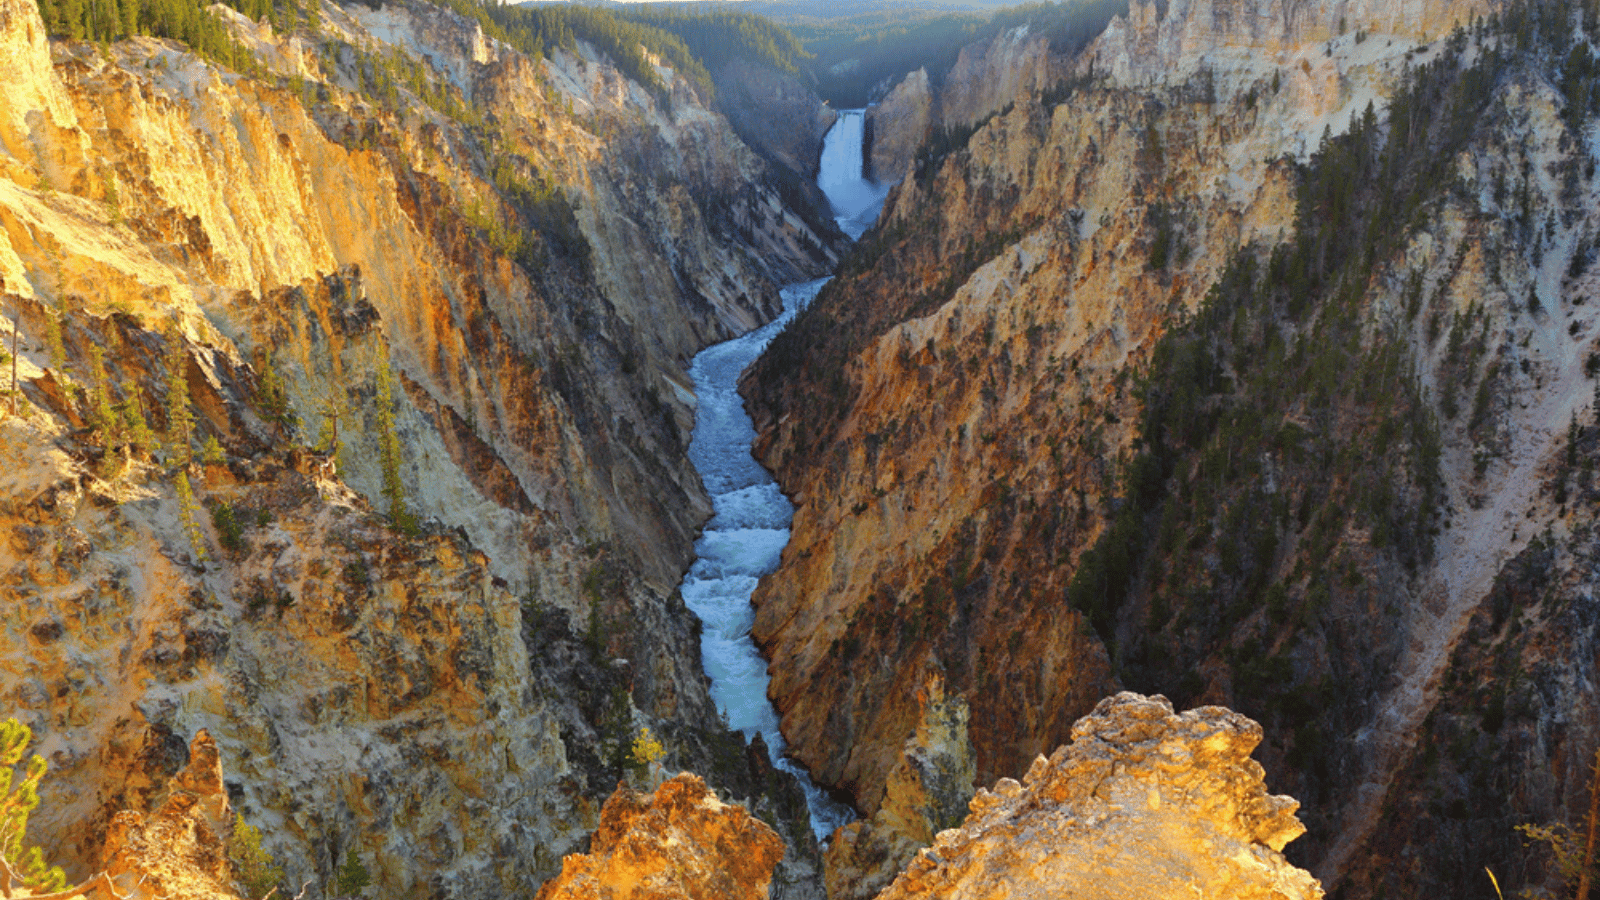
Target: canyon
x=1104, y=402
x=1237, y=353
x=345, y=306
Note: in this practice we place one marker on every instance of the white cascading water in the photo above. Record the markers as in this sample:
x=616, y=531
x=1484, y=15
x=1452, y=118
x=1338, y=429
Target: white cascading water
x=750, y=524
x=856, y=201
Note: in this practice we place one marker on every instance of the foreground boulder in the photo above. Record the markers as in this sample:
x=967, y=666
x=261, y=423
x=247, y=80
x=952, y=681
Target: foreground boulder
x=679, y=842
x=1142, y=804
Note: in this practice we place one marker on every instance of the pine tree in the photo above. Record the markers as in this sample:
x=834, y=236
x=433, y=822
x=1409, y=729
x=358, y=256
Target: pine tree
x=1597, y=399
x=140, y=436
x=333, y=405
x=16, y=330
x=273, y=398
x=389, y=455
x=352, y=876
x=18, y=799
x=105, y=418
x=211, y=452
x=180, y=418
x=188, y=507
x=53, y=339
x=254, y=869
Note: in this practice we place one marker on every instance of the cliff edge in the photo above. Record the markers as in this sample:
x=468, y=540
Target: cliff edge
x=1143, y=803
x=678, y=842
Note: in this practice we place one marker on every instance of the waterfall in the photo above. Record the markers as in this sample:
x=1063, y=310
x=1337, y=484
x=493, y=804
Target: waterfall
x=856, y=200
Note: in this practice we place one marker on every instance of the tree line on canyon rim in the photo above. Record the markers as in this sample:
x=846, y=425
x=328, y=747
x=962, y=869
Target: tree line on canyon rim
x=1291, y=334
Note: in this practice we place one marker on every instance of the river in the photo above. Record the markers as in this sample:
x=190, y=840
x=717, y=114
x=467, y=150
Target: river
x=750, y=524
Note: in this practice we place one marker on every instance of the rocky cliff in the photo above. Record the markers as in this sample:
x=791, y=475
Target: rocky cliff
x=986, y=77
x=927, y=792
x=1196, y=375
x=181, y=850
x=351, y=429
x=1158, y=44
x=677, y=843
x=1142, y=803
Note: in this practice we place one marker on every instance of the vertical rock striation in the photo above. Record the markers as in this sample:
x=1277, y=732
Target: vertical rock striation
x=926, y=793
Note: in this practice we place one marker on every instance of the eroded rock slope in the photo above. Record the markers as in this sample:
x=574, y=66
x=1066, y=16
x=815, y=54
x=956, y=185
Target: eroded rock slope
x=1242, y=369
x=352, y=428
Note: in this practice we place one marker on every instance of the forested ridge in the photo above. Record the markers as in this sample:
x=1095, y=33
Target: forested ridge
x=689, y=42
x=859, y=49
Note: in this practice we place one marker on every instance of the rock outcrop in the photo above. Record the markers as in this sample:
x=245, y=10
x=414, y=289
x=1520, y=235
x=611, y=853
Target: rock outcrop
x=677, y=843
x=987, y=77
x=898, y=125
x=1142, y=804
x=180, y=851
x=926, y=793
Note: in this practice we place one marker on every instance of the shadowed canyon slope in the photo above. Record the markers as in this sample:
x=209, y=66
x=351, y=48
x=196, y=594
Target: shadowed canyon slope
x=489, y=313
x=1241, y=366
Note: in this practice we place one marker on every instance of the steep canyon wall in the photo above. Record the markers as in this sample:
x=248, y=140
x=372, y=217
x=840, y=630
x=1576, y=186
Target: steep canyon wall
x=487, y=285
x=1032, y=456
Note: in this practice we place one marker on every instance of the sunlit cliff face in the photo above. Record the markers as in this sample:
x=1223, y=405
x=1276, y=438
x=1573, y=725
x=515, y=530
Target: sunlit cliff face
x=413, y=696
x=1142, y=803
x=678, y=842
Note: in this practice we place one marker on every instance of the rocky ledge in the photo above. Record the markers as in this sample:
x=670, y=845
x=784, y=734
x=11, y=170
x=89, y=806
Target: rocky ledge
x=678, y=843
x=1143, y=803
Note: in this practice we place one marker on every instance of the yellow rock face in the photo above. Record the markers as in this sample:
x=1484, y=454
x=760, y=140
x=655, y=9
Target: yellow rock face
x=364, y=688
x=181, y=850
x=678, y=843
x=926, y=793
x=1142, y=804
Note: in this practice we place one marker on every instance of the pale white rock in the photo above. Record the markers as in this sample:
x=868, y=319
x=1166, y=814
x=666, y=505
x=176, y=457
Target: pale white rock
x=1085, y=822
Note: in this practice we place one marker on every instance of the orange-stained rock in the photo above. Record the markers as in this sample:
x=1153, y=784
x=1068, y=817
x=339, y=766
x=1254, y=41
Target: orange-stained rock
x=409, y=698
x=679, y=842
x=927, y=792
x=950, y=416
x=1142, y=804
x=180, y=852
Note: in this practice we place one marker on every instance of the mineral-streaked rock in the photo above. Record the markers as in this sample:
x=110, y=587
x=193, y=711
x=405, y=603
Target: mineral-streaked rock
x=679, y=842
x=911, y=542
x=180, y=851
x=927, y=792
x=1143, y=803
x=412, y=699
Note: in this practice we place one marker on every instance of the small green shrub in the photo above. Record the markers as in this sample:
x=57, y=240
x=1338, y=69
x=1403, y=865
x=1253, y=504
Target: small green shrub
x=255, y=871
x=18, y=799
x=229, y=530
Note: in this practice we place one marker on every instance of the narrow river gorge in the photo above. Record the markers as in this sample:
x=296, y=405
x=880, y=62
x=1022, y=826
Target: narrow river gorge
x=750, y=526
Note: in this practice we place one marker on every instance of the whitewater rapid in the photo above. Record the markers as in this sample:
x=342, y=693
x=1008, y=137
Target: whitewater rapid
x=749, y=526
x=741, y=543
